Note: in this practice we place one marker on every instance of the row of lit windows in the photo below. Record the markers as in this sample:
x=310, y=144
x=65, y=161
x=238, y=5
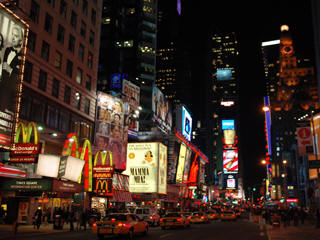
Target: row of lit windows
x=146, y=49
x=125, y=44
x=166, y=70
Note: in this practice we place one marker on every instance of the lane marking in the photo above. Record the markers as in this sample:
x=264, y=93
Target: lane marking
x=165, y=235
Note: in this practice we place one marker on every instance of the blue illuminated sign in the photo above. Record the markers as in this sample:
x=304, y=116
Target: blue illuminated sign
x=186, y=124
x=227, y=124
x=116, y=80
x=224, y=74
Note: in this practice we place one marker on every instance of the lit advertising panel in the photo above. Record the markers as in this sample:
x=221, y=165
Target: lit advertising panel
x=224, y=74
x=145, y=175
x=162, y=174
x=231, y=183
x=131, y=95
x=111, y=129
x=186, y=123
x=230, y=161
x=182, y=159
x=227, y=124
x=13, y=38
x=162, y=114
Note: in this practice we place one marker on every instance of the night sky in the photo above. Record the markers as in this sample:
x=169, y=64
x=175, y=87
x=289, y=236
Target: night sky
x=253, y=23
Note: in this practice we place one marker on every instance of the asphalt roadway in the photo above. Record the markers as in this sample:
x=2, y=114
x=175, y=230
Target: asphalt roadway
x=241, y=229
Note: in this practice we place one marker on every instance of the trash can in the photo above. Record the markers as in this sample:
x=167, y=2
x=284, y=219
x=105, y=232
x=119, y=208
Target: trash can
x=57, y=222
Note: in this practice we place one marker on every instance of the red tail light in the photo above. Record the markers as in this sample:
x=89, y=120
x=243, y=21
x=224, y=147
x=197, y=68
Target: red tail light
x=179, y=219
x=94, y=225
x=113, y=219
x=189, y=217
x=222, y=215
x=161, y=220
x=120, y=224
x=233, y=215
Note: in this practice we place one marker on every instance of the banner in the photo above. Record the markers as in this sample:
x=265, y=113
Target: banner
x=162, y=113
x=13, y=39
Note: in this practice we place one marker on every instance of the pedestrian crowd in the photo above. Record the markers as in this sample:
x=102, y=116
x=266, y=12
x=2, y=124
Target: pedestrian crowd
x=288, y=216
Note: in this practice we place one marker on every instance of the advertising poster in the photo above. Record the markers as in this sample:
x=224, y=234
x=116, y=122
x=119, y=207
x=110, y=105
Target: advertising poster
x=182, y=159
x=23, y=212
x=162, y=181
x=162, y=114
x=230, y=161
x=112, y=129
x=142, y=167
x=13, y=37
x=131, y=95
x=187, y=165
x=173, y=157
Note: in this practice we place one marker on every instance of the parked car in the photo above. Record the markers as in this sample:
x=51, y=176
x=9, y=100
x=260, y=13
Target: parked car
x=213, y=215
x=149, y=214
x=120, y=224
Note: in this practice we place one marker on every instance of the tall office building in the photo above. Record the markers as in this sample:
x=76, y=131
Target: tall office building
x=128, y=49
x=292, y=92
x=60, y=74
x=223, y=109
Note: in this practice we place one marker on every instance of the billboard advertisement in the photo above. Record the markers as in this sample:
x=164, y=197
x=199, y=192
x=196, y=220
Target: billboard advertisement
x=224, y=74
x=162, y=114
x=173, y=158
x=13, y=38
x=227, y=124
x=304, y=138
x=146, y=167
x=111, y=128
x=187, y=165
x=131, y=97
x=182, y=159
x=186, y=123
x=230, y=161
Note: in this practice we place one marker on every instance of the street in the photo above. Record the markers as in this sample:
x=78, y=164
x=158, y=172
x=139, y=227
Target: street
x=241, y=229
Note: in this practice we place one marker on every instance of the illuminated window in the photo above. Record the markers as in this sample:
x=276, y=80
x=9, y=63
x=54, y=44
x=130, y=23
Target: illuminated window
x=58, y=60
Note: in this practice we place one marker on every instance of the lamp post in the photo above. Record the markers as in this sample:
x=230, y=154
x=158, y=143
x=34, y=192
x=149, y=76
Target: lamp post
x=284, y=164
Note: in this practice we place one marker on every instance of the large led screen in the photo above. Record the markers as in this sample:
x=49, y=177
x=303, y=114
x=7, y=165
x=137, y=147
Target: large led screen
x=162, y=114
x=111, y=129
x=13, y=35
x=224, y=74
x=230, y=161
x=186, y=123
x=227, y=124
x=146, y=167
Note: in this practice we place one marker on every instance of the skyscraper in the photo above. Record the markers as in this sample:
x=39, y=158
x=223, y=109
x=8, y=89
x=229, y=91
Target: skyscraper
x=223, y=108
x=128, y=47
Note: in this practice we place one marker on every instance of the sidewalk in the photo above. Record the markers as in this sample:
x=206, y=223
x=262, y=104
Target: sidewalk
x=28, y=230
x=307, y=231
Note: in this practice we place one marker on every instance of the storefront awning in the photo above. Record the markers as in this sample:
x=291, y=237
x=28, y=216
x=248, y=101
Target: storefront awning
x=12, y=171
x=121, y=196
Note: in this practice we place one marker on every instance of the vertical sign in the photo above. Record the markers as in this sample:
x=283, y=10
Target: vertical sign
x=13, y=38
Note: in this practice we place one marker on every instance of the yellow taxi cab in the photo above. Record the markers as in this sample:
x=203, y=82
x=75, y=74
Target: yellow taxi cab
x=120, y=224
x=174, y=219
x=213, y=215
x=228, y=215
x=198, y=217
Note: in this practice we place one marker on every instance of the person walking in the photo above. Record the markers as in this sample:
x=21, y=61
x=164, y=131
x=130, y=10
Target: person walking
x=84, y=221
x=318, y=218
x=37, y=217
x=71, y=220
x=296, y=217
x=77, y=217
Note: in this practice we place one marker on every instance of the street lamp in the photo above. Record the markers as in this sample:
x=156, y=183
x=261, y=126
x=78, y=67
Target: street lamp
x=263, y=161
x=266, y=108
